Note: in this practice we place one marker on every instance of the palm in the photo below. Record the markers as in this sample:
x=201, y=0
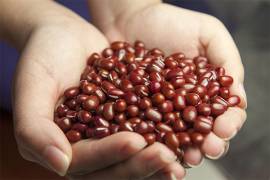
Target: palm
x=174, y=29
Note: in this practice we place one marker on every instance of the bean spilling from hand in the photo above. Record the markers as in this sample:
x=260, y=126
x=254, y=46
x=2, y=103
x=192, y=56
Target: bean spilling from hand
x=173, y=100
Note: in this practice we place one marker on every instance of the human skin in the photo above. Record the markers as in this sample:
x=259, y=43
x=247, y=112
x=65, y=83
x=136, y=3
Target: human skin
x=54, y=44
x=175, y=29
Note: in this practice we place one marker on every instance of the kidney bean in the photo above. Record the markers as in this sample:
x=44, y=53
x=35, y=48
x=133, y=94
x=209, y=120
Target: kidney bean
x=126, y=85
x=107, y=86
x=153, y=115
x=181, y=91
x=224, y=92
x=178, y=82
x=188, y=87
x=141, y=127
x=80, y=98
x=115, y=93
x=132, y=111
x=73, y=136
x=156, y=76
x=71, y=104
x=179, y=102
x=72, y=115
x=174, y=73
x=107, y=52
x=71, y=92
x=220, y=100
x=213, y=91
x=93, y=58
x=170, y=62
x=220, y=71
x=117, y=45
x=190, y=114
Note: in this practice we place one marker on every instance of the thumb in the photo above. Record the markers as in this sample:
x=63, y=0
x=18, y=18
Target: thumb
x=38, y=137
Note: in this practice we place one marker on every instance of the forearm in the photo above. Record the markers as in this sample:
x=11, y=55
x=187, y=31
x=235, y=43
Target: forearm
x=20, y=18
x=109, y=13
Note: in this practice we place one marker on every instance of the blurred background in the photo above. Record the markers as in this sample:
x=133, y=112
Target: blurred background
x=249, y=154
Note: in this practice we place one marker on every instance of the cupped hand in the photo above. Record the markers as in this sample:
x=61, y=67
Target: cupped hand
x=174, y=29
x=52, y=60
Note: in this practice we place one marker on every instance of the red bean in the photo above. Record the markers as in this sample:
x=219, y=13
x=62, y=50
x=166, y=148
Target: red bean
x=71, y=92
x=79, y=127
x=108, y=111
x=203, y=124
x=115, y=93
x=200, y=90
x=174, y=73
x=213, y=91
x=150, y=138
x=158, y=98
x=178, y=82
x=64, y=124
x=99, y=121
x=117, y=45
x=197, y=138
x=171, y=140
x=120, y=105
x=224, y=92
x=155, y=76
x=153, y=115
x=73, y=136
x=114, y=128
x=190, y=114
x=155, y=87
x=71, y=104
x=141, y=90
x=84, y=116
x=204, y=109
x=91, y=103
x=120, y=118
x=193, y=99
x=145, y=103
x=132, y=111
x=220, y=100
x=166, y=106
x=217, y=109
x=100, y=94
x=233, y=100
x=141, y=127
x=179, y=102
x=72, y=115
x=108, y=52
x=93, y=58
x=183, y=138
x=225, y=81
x=100, y=132
x=163, y=127
x=131, y=98
x=126, y=126
x=169, y=118
x=179, y=125
x=61, y=110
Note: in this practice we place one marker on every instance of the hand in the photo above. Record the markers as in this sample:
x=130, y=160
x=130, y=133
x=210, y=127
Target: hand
x=52, y=60
x=174, y=29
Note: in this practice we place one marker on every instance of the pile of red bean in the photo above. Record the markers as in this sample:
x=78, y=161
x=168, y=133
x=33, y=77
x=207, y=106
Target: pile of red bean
x=173, y=100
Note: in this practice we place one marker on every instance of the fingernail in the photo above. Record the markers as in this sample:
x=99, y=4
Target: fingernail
x=56, y=160
x=243, y=92
x=215, y=157
x=172, y=176
x=194, y=165
x=227, y=146
x=230, y=137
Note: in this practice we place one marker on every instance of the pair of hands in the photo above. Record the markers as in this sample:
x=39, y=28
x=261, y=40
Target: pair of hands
x=53, y=59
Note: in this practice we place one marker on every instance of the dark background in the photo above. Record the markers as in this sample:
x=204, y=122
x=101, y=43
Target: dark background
x=249, y=23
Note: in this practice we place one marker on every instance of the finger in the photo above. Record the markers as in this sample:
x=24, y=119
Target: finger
x=192, y=156
x=173, y=171
x=213, y=147
x=143, y=164
x=227, y=125
x=222, y=51
x=34, y=126
x=90, y=155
